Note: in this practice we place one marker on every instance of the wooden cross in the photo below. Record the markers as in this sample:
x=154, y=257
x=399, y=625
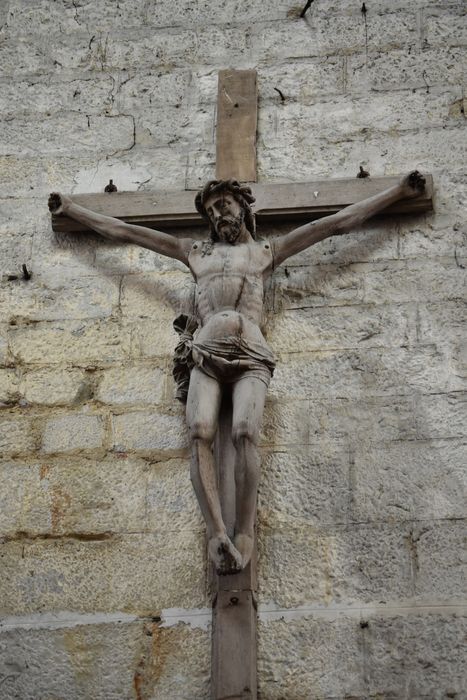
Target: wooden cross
x=233, y=671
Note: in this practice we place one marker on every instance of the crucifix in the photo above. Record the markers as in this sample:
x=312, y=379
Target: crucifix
x=224, y=364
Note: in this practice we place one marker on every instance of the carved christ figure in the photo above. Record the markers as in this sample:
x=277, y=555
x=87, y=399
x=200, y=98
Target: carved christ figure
x=229, y=351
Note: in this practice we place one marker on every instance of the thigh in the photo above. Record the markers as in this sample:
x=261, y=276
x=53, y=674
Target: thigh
x=202, y=406
x=248, y=397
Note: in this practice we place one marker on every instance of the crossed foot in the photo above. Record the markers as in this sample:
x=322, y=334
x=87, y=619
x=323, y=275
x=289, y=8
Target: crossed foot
x=230, y=558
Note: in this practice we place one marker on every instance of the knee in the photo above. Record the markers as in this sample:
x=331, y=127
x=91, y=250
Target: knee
x=242, y=433
x=202, y=430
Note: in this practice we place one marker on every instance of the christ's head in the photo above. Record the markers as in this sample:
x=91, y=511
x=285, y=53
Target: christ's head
x=225, y=204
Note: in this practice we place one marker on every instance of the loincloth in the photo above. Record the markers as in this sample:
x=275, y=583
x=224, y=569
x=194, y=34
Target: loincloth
x=226, y=359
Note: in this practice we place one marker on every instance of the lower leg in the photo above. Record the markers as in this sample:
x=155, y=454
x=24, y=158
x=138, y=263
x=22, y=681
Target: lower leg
x=203, y=475
x=247, y=470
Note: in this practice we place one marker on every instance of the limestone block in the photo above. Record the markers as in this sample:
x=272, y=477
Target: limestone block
x=170, y=499
x=446, y=28
x=155, y=338
x=298, y=286
x=351, y=117
x=221, y=46
x=77, y=662
x=403, y=480
x=442, y=323
x=149, y=49
x=292, y=563
x=440, y=556
x=105, y=661
x=312, y=659
x=425, y=243
x=151, y=90
x=59, y=136
x=50, y=299
x=78, y=342
x=302, y=82
x=4, y=354
x=21, y=217
x=26, y=177
x=17, y=435
x=284, y=423
x=54, y=387
x=201, y=167
x=360, y=421
x=134, y=573
x=132, y=385
x=9, y=387
x=317, y=329
x=414, y=280
x=15, y=250
x=91, y=95
x=371, y=372
x=68, y=18
x=427, y=150
x=369, y=563
x=157, y=296
x=306, y=486
x=416, y=655
x=19, y=55
x=149, y=432
x=73, y=496
x=389, y=70
x=179, y=126
x=441, y=416
x=163, y=13
x=72, y=432
x=327, y=35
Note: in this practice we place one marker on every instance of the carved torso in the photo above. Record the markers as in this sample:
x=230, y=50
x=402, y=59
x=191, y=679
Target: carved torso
x=230, y=288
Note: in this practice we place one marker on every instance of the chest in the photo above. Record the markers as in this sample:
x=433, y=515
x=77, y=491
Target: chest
x=246, y=260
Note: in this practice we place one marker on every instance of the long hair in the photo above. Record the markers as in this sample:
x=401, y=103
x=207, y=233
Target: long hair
x=241, y=193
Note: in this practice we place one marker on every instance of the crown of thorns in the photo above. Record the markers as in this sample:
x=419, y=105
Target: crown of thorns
x=241, y=193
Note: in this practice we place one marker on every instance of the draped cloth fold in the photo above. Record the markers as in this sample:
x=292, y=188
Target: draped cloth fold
x=225, y=359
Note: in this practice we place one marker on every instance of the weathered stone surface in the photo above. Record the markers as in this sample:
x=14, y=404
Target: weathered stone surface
x=84, y=343
x=317, y=329
x=72, y=432
x=18, y=435
x=170, y=499
x=91, y=95
x=302, y=81
x=41, y=300
x=419, y=656
x=440, y=559
x=444, y=28
x=136, y=573
x=310, y=486
x=323, y=35
x=56, y=387
x=125, y=657
x=371, y=372
x=132, y=385
x=73, y=495
x=409, y=480
x=78, y=133
x=9, y=392
x=389, y=70
x=149, y=432
x=311, y=659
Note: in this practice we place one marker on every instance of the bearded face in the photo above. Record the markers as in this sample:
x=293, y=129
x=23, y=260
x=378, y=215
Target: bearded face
x=226, y=215
x=229, y=227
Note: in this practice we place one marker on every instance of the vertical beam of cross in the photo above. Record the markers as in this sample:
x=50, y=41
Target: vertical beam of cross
x=233, y=666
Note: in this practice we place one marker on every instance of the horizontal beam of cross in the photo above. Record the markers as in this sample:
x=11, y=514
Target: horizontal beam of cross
x=167, y=209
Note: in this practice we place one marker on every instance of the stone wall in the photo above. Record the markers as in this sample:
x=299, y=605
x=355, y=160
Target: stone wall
x=103, y=587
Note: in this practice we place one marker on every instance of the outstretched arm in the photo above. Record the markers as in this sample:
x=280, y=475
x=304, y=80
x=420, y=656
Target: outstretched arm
x=117, y=230
x=345, y=220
